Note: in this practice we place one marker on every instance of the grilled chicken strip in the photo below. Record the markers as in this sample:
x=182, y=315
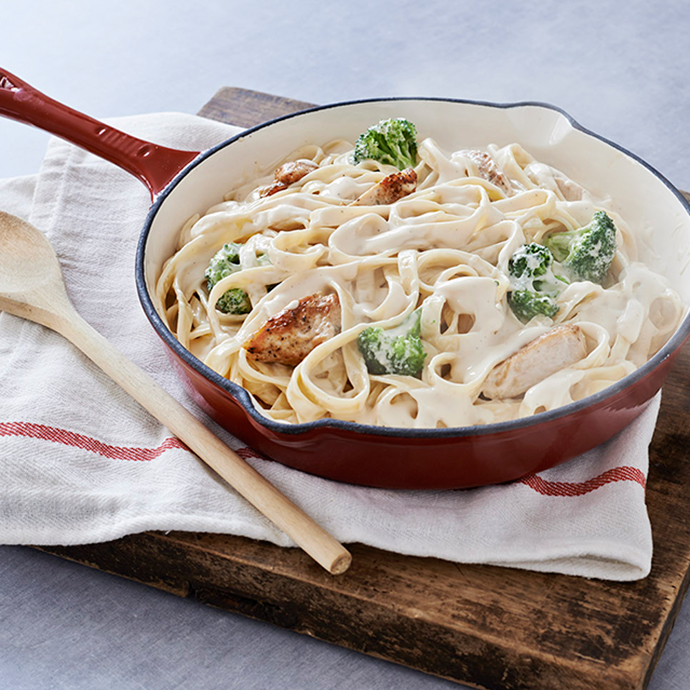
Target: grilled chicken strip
x=559, y=348
x=289, y=336
x=487, y=168
x=288, y=174
x=391, y=188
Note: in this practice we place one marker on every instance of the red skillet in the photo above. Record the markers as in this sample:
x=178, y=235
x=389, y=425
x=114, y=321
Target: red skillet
x=185, y=182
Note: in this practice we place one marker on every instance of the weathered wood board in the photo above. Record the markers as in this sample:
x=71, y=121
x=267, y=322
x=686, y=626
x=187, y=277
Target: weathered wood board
x=493, y=628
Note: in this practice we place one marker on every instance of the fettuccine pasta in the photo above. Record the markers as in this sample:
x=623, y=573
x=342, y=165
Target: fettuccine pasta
x=442, y=249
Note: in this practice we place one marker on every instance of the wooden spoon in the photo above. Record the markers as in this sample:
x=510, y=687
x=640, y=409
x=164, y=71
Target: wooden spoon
x=32, y=286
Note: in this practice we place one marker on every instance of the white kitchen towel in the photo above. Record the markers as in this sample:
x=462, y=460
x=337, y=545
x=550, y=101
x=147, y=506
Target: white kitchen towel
x=81, y=462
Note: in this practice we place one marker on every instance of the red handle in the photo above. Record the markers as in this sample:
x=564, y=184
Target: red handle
x=154, y=165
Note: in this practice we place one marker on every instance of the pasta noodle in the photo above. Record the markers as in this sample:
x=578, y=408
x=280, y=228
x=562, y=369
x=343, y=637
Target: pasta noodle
x=444, y=247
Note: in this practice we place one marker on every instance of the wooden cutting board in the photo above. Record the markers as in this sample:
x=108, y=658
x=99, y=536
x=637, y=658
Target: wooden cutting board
x=495, y=628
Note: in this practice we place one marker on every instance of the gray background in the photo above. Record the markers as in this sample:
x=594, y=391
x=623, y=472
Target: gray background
x=619, y=68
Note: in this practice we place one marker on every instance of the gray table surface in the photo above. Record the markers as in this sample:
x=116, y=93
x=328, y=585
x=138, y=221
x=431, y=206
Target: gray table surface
x=619, y=68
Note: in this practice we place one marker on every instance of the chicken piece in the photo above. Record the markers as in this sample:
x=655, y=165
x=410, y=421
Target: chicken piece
x=289, y=336
x=570, y=190
x=559, y=348
x=391, y=188
x=487, y=168
x=287, y=174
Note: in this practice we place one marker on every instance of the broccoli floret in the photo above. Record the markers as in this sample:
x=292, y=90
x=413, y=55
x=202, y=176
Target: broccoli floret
x=586, y=253
x=527, y=304
x=535, y=287
x=529, y=263
x=225, y=262
x=393, y=142
x=395, y=350
x=234, y=301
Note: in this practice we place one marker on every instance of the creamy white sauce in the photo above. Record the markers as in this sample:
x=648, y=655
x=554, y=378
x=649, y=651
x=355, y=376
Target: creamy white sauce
x=444, y=248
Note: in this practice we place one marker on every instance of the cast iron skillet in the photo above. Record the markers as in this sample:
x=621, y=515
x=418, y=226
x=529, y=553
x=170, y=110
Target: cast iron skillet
x=183, y=183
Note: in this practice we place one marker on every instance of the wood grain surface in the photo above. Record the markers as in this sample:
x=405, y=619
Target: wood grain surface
x=493, y=628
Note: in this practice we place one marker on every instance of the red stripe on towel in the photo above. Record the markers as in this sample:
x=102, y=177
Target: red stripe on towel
x=70, y=438
x=617, y=474
x=248, y=453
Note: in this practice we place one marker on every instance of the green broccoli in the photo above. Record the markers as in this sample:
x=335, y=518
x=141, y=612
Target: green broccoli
x=527, y=304
x=395, y=350
x=393, y=142
x=531, y=264
x=234, y=301
x=225, y=262
x=535, y=287
x=586, y=253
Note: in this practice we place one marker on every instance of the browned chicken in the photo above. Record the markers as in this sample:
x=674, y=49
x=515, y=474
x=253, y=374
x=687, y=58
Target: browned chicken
x=288, y=174
x=391, y=188
x=559, y=348
x=487, y=168
x=289, y=336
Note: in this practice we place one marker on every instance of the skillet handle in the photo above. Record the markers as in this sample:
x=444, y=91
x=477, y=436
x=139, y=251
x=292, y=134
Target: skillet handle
x=154, y=165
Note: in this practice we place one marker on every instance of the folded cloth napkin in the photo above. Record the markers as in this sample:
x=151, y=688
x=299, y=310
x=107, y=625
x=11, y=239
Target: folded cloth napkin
x=81, y=462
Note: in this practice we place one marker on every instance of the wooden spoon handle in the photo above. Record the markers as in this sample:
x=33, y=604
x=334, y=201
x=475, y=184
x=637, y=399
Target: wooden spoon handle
x=310, y=536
